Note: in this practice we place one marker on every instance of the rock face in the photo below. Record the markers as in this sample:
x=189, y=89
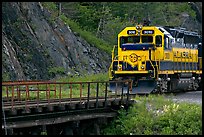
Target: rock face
x=189, y=22
x=34, y=48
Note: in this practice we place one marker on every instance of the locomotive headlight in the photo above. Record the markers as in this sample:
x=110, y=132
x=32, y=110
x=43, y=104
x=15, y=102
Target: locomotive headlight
x=138, y=27
x=159, y=79
x=142, y=67
x=199, y=78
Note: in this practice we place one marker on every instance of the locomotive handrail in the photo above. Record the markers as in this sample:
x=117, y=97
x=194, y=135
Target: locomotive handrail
x=113, y=59
x=110, y=69
x=113, y=51
x=192, y=64
x=185, y=64
x=111, y=66
x=177, y=64
x=156, y=65
x=153, y=67
x=116, y=58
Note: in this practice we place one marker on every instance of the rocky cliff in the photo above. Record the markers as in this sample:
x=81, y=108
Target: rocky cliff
x=33, y=48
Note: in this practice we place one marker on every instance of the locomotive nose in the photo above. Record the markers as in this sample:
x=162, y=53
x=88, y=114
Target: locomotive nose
x=133, y=59
x=138, y=61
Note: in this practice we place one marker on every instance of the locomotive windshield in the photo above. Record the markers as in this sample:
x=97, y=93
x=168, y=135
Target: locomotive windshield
x=129, y=40
x=136, y=39
x=136, y=42
x=147, y=39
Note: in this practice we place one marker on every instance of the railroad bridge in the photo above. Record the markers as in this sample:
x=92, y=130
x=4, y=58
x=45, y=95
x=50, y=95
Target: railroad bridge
x=49, y=107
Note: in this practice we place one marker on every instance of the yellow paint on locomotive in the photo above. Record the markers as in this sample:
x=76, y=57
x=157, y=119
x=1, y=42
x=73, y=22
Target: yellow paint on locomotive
x=168, y=56
x=138, y=58
x=185, y=55
x=127, y=56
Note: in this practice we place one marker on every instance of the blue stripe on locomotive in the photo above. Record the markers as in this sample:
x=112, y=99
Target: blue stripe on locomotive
x=133, y=46
x=164, y=65
x=168, y=65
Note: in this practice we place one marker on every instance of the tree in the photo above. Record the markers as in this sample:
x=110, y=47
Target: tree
x=105, y=16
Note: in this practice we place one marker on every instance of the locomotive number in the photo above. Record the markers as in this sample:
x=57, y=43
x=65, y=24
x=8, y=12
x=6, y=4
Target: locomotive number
x=148, y=32
x=131, y=32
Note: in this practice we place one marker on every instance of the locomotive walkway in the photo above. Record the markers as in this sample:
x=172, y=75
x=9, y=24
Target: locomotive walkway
x=36, y=103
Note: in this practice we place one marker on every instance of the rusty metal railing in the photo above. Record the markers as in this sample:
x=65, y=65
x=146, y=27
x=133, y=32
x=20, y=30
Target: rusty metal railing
x=35, y=92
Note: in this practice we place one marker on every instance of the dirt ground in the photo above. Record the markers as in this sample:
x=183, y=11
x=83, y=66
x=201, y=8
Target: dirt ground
x=192, y=97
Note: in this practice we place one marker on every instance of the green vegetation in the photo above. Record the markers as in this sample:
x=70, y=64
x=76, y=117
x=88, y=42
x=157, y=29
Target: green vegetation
x=85, y=78
x=106, y=19
x=5, y=76
x=56, y=71
x=50, y=5
x=18, y=23
x=155, y=115
x=88, y=36
x=100, y=22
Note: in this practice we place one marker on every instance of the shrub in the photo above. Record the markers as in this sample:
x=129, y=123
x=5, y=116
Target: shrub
x=56, y=70
x=157, y=116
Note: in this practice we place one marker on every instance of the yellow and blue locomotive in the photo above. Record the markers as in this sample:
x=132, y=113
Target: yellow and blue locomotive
x=157, y=59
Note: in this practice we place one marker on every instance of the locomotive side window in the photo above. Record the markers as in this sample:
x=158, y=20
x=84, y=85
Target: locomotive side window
x=147, y=39
x=122, y=40
x=158, y=40
x=166, y=43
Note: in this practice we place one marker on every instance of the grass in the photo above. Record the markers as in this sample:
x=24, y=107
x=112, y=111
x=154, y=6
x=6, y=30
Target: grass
x=86, y=77
x=155, y=115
